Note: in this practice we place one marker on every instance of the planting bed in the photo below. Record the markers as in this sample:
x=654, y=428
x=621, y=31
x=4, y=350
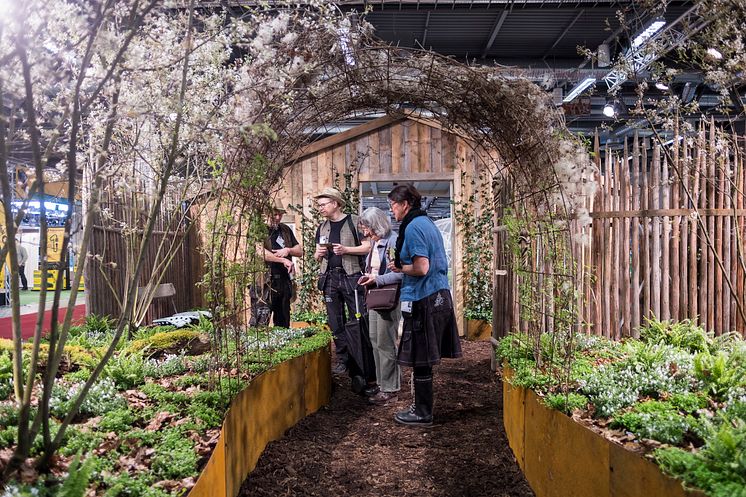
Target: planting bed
x=151, y=422
x=676, y=397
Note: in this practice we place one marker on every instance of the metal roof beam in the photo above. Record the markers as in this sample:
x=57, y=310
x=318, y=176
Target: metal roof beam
x=562, y=35
x=495, y=30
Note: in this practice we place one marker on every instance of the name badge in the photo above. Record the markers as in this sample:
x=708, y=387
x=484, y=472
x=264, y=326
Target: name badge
x=281, y=241
x=406, y=306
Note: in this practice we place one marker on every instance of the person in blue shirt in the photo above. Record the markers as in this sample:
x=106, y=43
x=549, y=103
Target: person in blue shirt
x=430, y=332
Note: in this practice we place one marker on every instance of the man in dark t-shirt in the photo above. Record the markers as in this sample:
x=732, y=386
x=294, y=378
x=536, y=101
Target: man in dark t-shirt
x=279, y=248
x=341, y=251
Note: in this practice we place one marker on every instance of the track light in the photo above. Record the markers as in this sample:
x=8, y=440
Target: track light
x=579, y=88
x=661, y=86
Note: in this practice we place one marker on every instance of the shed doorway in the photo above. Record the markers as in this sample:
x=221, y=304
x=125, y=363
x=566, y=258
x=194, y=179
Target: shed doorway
x=436, y=200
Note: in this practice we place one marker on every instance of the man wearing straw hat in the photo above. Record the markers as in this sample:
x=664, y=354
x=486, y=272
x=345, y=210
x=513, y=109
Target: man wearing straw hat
x=341, y=250
x=279, y=248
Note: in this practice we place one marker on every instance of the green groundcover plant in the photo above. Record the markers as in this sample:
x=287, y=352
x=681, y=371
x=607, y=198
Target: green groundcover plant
x=677, y=385
x=150, y=422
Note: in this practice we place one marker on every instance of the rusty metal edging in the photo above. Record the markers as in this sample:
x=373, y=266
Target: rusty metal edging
x=562, y=458
x=273, y=402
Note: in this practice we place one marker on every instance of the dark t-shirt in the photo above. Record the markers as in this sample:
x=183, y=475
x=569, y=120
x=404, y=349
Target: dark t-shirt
x=334, y=237
x=278, y=242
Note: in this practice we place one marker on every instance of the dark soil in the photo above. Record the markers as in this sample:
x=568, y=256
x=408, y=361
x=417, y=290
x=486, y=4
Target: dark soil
x=350, y=448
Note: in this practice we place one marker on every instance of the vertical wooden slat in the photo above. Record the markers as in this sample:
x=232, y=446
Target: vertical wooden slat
x=617, y=253
x=635, y=233
x=436, y=147
x=702, y=229
x=718, y=186
x=711, y=202
x=597, y=243
x=384, y=145
x=608, y=246
x=694, y=274
x=625, y=205
x=676, y=231
x=396, y=148
x=665, y=245
x=645, y=202
x=655, y=262
x=684, y=256
x=726, y=192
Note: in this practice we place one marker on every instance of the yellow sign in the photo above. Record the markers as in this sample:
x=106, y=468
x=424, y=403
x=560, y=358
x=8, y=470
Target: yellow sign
x=54, y=244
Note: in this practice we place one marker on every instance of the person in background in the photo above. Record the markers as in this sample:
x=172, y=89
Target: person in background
x=430, y=331
x=22, y=259
x=341, y=250
x=279, y=248
x=384, y=325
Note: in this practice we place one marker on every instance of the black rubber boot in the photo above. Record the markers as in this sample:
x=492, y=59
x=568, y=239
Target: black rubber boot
x=421, y=412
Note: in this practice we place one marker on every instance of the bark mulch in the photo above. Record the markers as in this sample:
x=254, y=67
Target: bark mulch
x=350, y=448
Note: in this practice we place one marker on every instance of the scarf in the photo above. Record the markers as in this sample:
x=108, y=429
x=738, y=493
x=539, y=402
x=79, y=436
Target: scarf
x=413, y=213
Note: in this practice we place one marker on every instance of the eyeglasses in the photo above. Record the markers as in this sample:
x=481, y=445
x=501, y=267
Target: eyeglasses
x=391, y=203
x=321, y=205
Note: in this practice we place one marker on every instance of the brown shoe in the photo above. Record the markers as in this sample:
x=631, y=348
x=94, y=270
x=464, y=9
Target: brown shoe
x=383, y=398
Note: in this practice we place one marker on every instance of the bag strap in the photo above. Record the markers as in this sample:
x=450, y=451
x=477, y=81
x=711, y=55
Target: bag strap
x=361, y=258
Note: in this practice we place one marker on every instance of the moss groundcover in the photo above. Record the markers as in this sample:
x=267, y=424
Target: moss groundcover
x=151, y=421
x=679, y=392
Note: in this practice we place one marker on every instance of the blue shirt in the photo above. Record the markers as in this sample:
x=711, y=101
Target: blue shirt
x=423, y=239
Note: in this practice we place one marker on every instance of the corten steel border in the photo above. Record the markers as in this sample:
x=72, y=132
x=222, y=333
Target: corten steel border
x=273, y=402
x=561, y=458
x=478, y=329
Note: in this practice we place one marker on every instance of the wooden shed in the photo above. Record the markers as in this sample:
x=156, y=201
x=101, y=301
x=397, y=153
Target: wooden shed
x=388, y=150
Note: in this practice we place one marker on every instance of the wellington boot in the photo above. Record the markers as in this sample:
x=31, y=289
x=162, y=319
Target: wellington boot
x=421, y=412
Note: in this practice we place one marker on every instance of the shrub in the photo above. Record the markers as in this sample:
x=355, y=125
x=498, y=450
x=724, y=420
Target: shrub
x=723, y=374
x=682, y=334
x=102, y=397
x=170, y=365
x=718, y=468
x=657, y=420
x=163, y=340
x=6, y=374
x=127, y=369
x=117, y=420
x=175, y=457
x=566, y=402
x=125, y=485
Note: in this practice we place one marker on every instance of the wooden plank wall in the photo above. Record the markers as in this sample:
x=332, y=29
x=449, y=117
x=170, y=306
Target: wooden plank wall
x=399, y=150
x=665, y=239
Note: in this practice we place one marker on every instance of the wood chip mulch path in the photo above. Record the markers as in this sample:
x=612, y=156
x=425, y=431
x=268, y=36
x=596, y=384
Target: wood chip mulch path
x=350, y=448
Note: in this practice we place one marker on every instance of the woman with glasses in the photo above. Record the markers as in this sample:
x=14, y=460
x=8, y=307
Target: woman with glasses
x=384, y=324
x=430, y=331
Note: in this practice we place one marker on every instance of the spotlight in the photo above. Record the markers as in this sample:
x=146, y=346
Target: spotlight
x=661, y=86
x=612, y=108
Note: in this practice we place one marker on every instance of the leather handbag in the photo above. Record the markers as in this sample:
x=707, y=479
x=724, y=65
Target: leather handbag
x=383, y=298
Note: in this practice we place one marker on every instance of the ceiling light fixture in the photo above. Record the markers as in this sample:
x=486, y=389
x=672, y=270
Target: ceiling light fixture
x=661, y=86
x=609, y=109
x=648, y=32
x=578, y=89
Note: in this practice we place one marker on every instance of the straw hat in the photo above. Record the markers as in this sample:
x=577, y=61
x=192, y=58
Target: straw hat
x=277, y=206
x=332, y=194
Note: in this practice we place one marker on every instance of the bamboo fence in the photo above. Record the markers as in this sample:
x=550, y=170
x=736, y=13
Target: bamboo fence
x=665, y=240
